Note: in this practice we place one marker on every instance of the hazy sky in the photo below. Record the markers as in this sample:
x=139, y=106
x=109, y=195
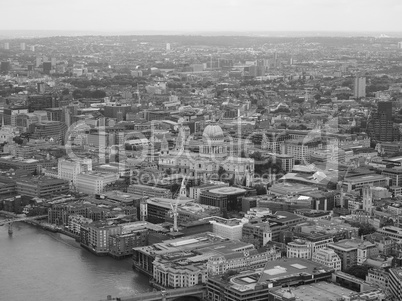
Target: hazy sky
x=202, y=15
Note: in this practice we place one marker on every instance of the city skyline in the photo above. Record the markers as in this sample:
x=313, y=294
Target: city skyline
x=206, y=16
x=191, y=150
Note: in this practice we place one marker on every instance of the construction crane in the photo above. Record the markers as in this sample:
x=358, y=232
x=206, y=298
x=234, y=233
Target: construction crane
x=173, y=213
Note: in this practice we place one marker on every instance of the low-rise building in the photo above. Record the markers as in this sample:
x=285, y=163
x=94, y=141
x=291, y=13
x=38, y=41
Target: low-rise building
x=205, y=244
x=385, y=244
x=149, y=191
x=358, y=182
x=299, y=249
x=115, y=238
x=228, y=228
x=121, y=245
x=392, y=232
x=378, y=277
x=257, y=285
x=94, y=182
x=353, y=251
x=226, y=198
x=328, y=258
x=195, y=191
x=249, y=259
x=70, y=169
x=176, y=270
x=76, y=221
x=41, y=186
x=259, y=232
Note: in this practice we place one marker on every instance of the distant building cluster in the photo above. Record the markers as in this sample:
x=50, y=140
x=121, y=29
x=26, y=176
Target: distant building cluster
x=243, y=169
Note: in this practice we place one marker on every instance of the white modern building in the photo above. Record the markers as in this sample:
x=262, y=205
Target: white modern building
x=94, y=182
x=359, y=87
x=70, y=169
x=228, y=228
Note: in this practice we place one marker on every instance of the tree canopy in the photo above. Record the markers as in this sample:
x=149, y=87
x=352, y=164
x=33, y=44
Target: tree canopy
x=364, y=228
x=265, y=166
x=88, y=93
x=359, y=271
x=261, y=189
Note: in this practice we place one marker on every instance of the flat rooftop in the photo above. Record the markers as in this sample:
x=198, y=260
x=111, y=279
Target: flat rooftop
x=395, y=159
x=289, y=267
x=292, y=187
x=228, y=190
x=363, y=178
x=165, y=202
x=397, y=272
x=207, y=242
x=320, y=291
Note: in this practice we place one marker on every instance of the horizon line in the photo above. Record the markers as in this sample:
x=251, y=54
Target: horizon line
x=42, y=33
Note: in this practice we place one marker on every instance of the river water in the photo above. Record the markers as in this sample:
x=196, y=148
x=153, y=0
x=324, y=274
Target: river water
x=43, y=266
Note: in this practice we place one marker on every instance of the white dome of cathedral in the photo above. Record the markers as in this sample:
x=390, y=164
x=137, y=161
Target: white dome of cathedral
x=213, y=131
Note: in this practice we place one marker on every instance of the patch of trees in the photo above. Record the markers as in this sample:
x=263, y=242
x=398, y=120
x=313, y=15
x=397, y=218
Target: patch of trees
x=298, y=100
x=343, y=96
x=88, y=93
x=348, y=83
x=265, y=166
x=364, y=228
x=175, y=85
x=18, y=140
x=324, y=100
x=251, y=240
x=261, y=189
x=122, y=80
x=359, y=271
x=229, y=273
x=378, y=84
x=224, y=176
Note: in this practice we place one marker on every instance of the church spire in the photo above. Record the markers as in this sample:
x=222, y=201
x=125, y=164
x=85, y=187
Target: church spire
x=164, y=145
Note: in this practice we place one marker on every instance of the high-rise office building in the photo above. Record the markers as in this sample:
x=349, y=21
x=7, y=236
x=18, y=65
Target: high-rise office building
x=5, y=66
x=380, y=126
x=360, y=87
x=168, y=46
x=40, y=87
x=47, y=66
x=41, y=101
x=22, y=46
x=6, y=45
x=385, y=107
x=32, y=48
x=399, y=45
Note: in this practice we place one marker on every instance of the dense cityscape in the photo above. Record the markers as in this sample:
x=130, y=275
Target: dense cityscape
x=225, y=168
